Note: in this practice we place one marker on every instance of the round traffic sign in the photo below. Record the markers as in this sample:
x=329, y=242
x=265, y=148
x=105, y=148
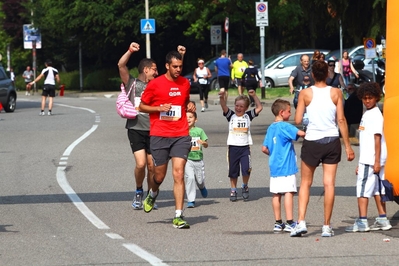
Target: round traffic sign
x=369, y=43
x=226, y=25
x=261, y=7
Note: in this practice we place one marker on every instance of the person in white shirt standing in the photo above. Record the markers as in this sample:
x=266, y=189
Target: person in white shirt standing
x=50, y=75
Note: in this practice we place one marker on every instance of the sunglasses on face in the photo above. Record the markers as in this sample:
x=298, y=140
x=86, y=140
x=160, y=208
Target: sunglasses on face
x=331, y=64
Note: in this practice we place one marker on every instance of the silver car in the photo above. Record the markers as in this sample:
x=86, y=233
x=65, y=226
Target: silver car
x=278, y=67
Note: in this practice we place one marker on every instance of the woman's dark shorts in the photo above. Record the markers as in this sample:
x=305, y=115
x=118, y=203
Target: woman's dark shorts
x=326, y=150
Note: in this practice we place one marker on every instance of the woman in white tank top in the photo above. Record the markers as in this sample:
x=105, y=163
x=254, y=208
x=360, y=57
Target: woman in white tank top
x=324, y=107
x=201, y=75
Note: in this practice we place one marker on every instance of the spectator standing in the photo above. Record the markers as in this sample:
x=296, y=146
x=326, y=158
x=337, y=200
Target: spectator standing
x=50, y=75
x=324, y=107
x=239, y=140
x=167, y=99
x=373, y=154
x=251, y=79
x=222, y=69
x=347, y=68
x=28, y=76
x=138, y=129
x=334, y=79
x=195, y=168
x=282, y=162
x=237, y=72
x=298, y=75
x=201, y=75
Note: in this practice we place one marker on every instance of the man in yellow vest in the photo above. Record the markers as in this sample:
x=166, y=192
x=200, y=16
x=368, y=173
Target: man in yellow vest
x=237, y=71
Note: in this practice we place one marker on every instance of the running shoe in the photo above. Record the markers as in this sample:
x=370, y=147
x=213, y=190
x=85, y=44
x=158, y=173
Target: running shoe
x=138, y=200
x=41, y=113
x=327, y=231
x=204, y=192
x=149, y=202
x=233, y=196
x=279, y=227
x=191, y=204
x=289, y=227
x=245, y=192
x=203, y=109
x=360, y=225
x=49, y=113
x=381, y=224
x=179, y=223
x=299, y=229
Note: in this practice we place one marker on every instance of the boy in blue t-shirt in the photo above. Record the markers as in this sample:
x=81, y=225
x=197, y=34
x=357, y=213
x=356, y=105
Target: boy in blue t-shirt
x=282, y=162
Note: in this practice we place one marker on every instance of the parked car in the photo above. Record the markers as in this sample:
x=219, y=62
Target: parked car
x=352, y=52
x=8, y=95
x=213, y=81
x=278, y=67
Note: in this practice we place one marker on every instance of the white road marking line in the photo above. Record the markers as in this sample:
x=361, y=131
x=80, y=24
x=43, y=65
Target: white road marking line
x=114, y=236
x=144, y=254
x=64, y=184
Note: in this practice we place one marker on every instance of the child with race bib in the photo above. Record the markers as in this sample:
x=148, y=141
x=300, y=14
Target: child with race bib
x=239, y=140
x=194, y=172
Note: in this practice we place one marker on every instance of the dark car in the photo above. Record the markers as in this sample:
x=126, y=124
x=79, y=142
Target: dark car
x=8, y=95
x=213, y=81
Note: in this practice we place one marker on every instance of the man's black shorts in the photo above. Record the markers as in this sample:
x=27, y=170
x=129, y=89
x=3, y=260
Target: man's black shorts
x=48, y=90
x=139, y=140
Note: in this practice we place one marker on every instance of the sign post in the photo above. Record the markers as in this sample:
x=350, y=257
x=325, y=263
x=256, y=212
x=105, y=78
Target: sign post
x=226, y=29
x=216, y=36
x=370, y=52
x=262, y=20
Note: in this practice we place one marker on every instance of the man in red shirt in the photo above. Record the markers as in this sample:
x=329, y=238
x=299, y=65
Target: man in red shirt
x=167, y=99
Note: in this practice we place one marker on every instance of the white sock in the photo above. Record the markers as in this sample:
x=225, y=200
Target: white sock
x=178, y=213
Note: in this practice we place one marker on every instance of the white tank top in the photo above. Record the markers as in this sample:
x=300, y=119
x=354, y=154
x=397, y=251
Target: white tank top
x=200, y=74
x=322, y=114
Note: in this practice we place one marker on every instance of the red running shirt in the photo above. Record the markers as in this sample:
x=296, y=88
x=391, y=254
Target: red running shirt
x=163, y=91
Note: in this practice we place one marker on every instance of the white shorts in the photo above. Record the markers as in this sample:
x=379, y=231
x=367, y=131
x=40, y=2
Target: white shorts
x=368, y=183
x=283, y=184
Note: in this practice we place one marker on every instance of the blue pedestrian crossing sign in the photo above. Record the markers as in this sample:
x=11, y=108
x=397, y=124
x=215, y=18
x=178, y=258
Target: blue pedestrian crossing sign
x=147, y=26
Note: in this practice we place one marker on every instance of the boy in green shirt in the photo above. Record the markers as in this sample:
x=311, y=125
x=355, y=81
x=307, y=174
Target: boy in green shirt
x=195, y=168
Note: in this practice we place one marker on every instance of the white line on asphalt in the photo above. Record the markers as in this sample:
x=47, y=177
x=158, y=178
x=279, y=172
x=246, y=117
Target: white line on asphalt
x=64, y=184
x=144, y=254
x=114, y=236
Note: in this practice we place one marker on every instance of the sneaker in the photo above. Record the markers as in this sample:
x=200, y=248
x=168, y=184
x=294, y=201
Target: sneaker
x=245, y=192
x=299, y=229
x=179, y=223
x=206, y=105
x=48, y=113
x=41, y=113
x=138, y=200
x=204, y=192
x=26, y=93
x=279, y=227
x=203, y=109
x=381, y=224
x=360, y=225
x=233, y=196
x=149, y=202
x=191, y=204
x=327, y=231
x=289, y=227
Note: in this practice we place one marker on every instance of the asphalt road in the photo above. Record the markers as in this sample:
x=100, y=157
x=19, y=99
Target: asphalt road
x=67, y=187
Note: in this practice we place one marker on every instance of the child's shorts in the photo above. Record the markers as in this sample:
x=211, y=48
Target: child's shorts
x=368, y=183
x=283, y=184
